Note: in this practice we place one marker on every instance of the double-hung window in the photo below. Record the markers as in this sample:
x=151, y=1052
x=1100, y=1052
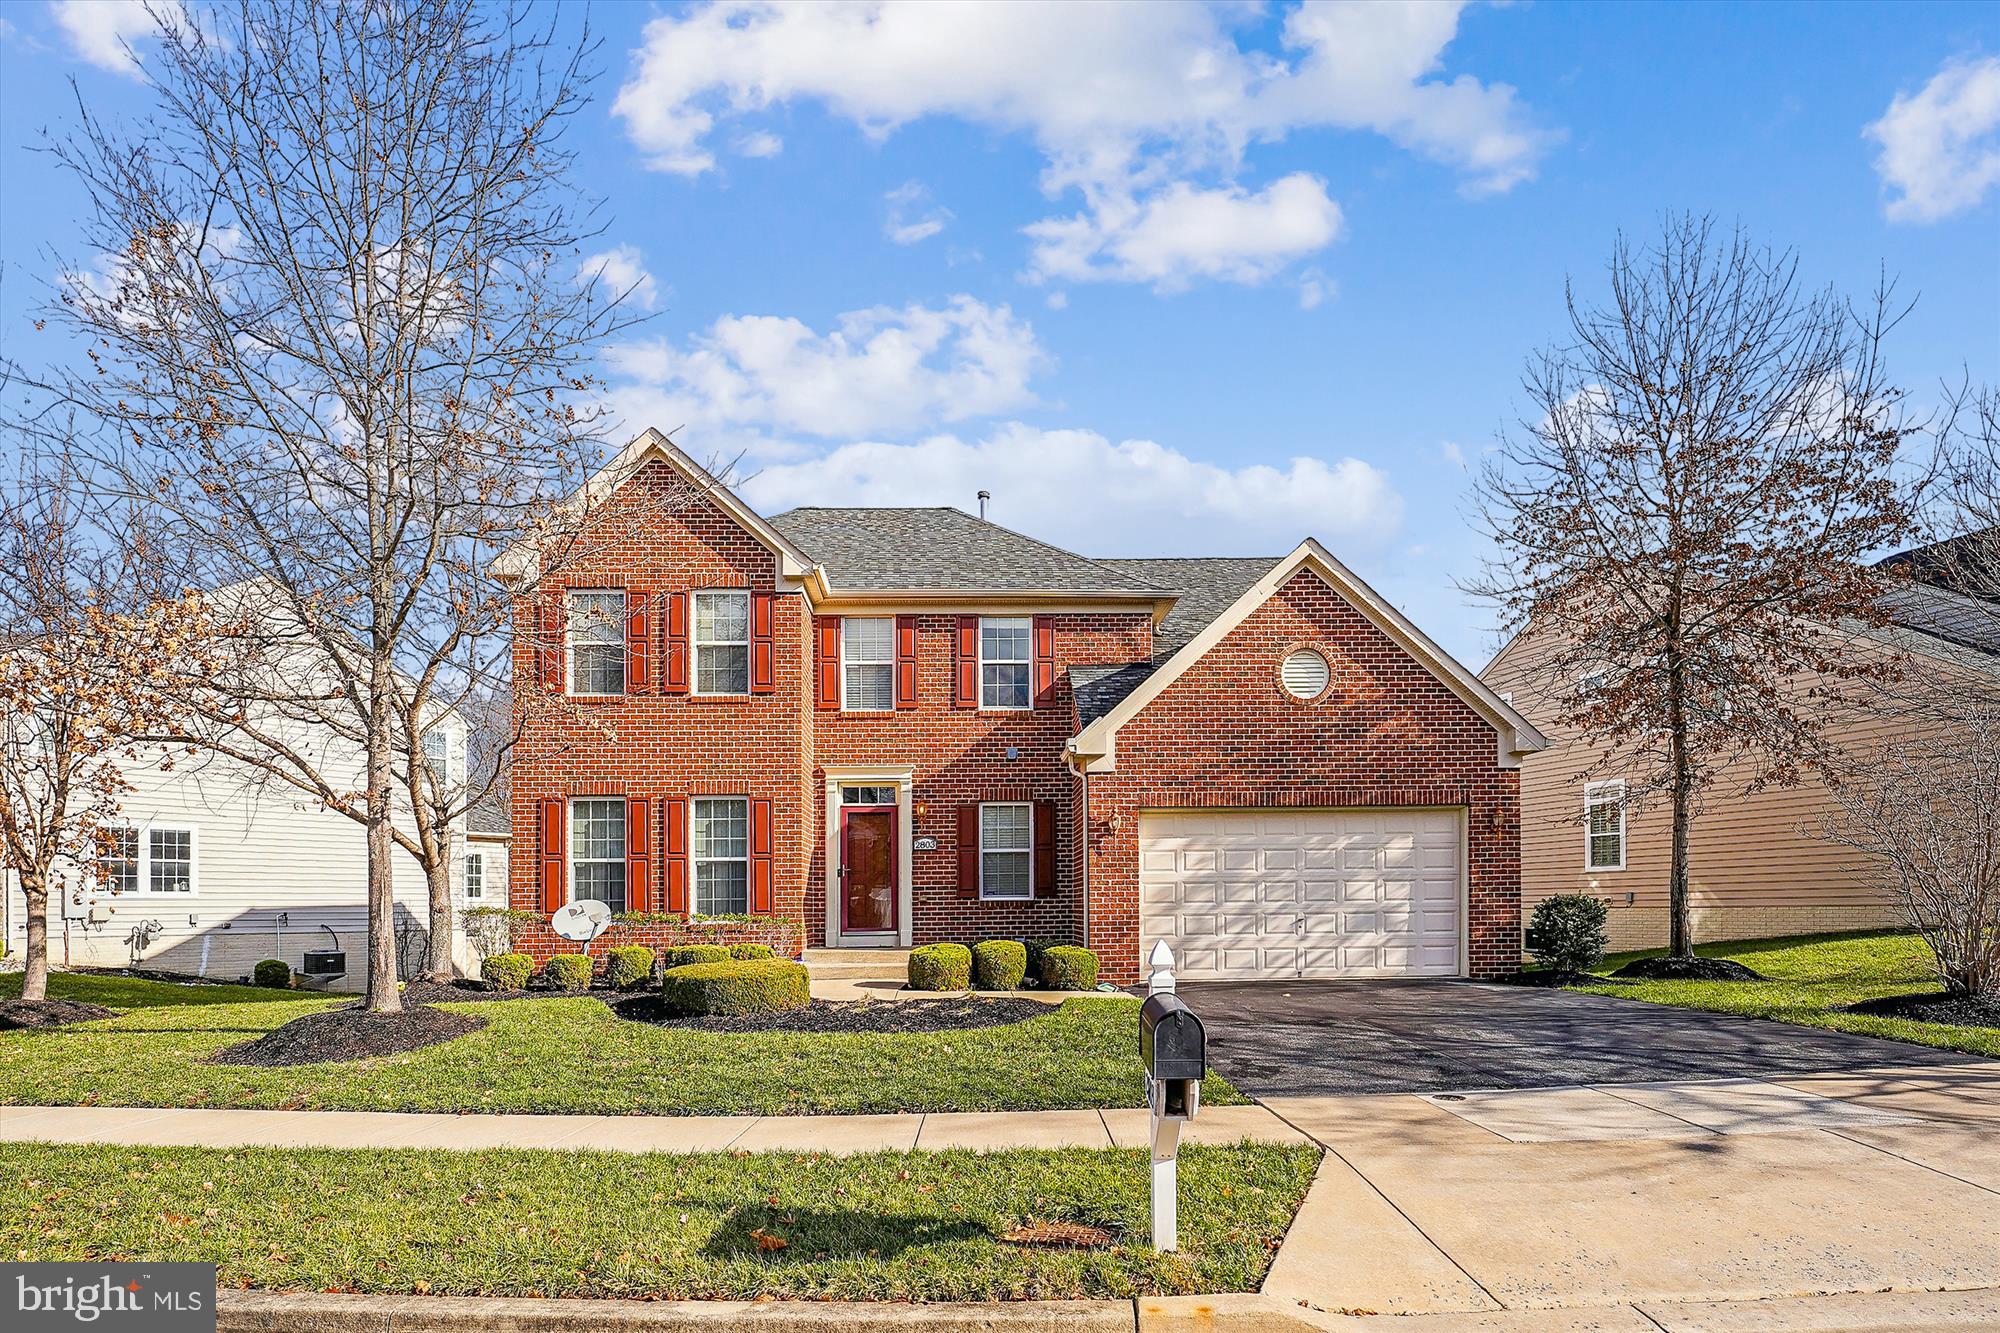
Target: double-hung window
x=721, y=856
x=868, y=663
x=149, y=860
x=118, y=860
x=722, y=643
x=1604, y=825
x=475, y=874
x=597, y=643
x=1006, y=662
x=597, y=851
x=1006, y=850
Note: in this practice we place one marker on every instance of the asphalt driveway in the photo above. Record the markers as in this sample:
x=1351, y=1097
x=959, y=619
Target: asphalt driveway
x=1323, y=1038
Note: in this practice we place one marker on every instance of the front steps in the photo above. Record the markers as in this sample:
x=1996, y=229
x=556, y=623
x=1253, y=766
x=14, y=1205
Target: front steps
x=858, y=964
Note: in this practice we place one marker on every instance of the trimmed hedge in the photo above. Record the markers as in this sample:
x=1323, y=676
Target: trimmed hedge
x=745, y=952
x=940, y=967
x=682, y=955
x=628, y=965
x=747, y=986
x=1036, y=948
x=568, y=971
x=1067, y=967
x=275, y=973
x=999, y=964
x=507, y=971
x=1566, y=932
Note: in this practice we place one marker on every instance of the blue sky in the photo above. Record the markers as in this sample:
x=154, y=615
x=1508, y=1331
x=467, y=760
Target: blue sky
x=1175, y=279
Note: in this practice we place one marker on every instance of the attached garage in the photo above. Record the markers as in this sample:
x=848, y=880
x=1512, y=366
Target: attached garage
x=1273, y=894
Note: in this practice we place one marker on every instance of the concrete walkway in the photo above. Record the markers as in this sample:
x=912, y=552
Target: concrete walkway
x=984, y=1130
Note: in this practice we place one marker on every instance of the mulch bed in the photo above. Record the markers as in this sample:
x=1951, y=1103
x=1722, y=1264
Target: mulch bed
x=19, y=1014
x=467, y=991
x=1555, y=979
x=350, y=1032
x=846, y=1015
x=1688, y=969
x=1934, y=1007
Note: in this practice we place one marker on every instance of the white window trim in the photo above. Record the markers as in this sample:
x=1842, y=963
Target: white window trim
x=889, y=662
x=1591, y=801
x=474, y=858
x=569, y=850
x=696, y=643
x=696, y=860
x=570, y=646
x=145, y=889
x=1028, y=661
x=1028, y=851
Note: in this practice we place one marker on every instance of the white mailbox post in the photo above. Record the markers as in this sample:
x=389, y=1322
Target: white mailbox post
x=1172, y=1044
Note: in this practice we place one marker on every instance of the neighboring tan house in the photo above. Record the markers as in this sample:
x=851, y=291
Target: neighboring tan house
x=886, y=727
x=1756, y=868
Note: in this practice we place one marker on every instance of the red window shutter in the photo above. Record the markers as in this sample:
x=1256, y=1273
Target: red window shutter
x=674, y=811
x=763, y=675
x=638, y=854
x=968, y=851
x=828, y=693
x=906, y=661
x=965, y=693
x=760, y=857
x=676, y=677
x=638, y=642
x=549, y=643
x=555, y=859
x=1045, y=850
x=1045, y=661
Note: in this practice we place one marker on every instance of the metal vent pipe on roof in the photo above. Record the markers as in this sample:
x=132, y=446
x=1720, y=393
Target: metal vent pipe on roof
x=984, y=496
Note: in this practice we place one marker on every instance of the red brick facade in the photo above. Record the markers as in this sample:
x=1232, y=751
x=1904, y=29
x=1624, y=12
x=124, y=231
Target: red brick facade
x=1388, y=732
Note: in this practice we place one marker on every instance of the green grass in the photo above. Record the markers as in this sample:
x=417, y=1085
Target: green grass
x=884, y=1226
x=571, y=1055
x=1812, y=979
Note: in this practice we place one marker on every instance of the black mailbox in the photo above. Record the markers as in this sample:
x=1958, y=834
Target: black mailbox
x=1171, y=1039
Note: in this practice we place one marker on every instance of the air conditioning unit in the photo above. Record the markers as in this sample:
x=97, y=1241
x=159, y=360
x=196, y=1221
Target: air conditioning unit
x=324, y=964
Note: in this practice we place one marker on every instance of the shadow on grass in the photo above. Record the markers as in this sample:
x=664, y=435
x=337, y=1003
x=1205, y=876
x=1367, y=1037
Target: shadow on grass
x=748, y=1233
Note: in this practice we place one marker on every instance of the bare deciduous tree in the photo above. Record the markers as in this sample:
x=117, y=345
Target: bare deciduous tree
x=337, y=340
x=1682, y=523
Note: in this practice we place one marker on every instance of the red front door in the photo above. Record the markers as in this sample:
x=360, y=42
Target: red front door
x=868, y=869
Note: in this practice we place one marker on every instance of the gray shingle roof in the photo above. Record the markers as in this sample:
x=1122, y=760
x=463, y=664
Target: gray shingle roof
x=874, y=549
x=1209, y=586
x=488, y=817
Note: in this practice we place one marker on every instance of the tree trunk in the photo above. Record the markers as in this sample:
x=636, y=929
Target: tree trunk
x=438, y=965
x=383, y=997
x=35, y=979
x=1680, y=937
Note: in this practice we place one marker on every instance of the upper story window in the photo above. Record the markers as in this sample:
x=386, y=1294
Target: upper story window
x=868, y=663
x=118, y=863
x=1006, y=662
x=597, y=851
x=597, y=643
x=721, y=856
x=1604, y=825
x=722, y=642
x=1006, y=850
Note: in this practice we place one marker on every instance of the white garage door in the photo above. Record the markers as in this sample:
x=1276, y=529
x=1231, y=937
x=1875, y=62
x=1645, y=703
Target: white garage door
x=1277, y=894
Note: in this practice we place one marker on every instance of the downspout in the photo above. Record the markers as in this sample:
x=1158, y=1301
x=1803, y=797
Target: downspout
x=1086, y=858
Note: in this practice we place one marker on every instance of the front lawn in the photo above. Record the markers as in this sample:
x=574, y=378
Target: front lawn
x=884, y=1226
x=1812, y=979
x=571, y=1055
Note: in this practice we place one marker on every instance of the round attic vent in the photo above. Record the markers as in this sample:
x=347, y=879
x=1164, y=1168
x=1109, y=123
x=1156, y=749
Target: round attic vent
x=1304, y=674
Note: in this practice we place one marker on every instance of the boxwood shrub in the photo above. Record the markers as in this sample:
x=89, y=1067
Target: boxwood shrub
x=272, y=972
x=742, y=952
x=999, y=964
x=746, y=986
x=507, y=971
x=568, y=971
x=681, y=955
x=1036, y=948
x=940, y=967
x=1068, y=967
x=628, y=965
x=1566, y=932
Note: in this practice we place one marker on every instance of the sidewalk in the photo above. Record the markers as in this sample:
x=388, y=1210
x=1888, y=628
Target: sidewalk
x=980, y=1130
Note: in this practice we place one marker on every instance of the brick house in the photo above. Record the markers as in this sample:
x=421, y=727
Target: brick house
x=896, y=726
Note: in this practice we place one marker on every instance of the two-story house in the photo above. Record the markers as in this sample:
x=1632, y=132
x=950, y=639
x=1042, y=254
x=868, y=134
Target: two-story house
x=898, y=726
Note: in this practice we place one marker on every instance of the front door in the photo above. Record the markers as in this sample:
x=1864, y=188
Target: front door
x=868, y=870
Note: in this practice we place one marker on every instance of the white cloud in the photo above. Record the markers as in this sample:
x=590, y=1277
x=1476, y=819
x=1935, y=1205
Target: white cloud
x=762, y=143
x=878, y=371
x=1453, y=454
x=619, y=271
x=1057, y=300
x=1131, y=104
x=1082, y=491
x=1941, y=145
x=101, y=31
x=1183, y=232
x=913, y=215
x=1315, y=289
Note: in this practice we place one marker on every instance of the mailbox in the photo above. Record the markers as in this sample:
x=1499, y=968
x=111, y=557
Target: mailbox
x=1171, y=1040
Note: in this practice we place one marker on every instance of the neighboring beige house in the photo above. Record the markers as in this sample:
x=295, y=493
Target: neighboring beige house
x=1756, y=870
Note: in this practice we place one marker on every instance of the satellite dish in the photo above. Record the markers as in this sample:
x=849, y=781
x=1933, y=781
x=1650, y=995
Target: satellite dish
x=583, y=920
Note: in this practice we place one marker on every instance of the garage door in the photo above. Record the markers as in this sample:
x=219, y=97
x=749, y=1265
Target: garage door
x=1278, y=894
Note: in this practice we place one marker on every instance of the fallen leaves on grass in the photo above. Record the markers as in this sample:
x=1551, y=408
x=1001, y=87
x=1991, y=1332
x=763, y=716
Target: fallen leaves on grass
x=1058, y=1235
x=766, y=1242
